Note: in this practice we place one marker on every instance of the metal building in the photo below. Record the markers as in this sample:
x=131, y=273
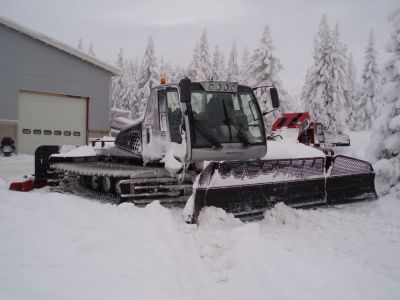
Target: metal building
x=50, y=93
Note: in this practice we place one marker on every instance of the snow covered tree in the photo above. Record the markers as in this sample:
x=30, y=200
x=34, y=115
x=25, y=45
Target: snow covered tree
x=244, y=67
x=200, y=66
x=149, y=74
x=117, y=86
x=352, y=94
x=315, y=87
x=91, y=50
x=124, y=91
x=324, y=92
x=370, y=96
x=166, y=71
x=385, y=140
x=80, y=44
x=340, y=73
x=233, y=66
x=133, y=101
x=264, y=68
x=178, y=73
x=218, y=65
x=192, y=69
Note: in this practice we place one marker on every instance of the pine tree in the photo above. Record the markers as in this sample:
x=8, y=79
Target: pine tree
x=315, y=84
x=233, y=67
x=134, y=104
x=117, y=86
x=200, y=66
x=340, y=84
x=353, y=97
x=370, y=97
x=91, y=50
x=264, y=69
x=218, y=65
x=324, y=92
x=386, y=130
x=149, y=74
x=80, y=44
x=193, y=66
x=244, y=67
x=178, y=73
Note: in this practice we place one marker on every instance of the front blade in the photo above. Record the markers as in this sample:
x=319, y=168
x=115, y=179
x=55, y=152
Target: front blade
x=247, y=189
x=350, y=180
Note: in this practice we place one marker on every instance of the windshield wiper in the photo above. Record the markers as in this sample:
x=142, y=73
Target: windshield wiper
x=207, y=134
x=240, y=133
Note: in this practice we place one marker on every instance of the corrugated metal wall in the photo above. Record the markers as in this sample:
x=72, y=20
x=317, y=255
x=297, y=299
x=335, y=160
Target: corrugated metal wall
x=29, y=64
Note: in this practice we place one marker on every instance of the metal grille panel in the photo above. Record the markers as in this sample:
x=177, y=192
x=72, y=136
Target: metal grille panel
x=136, y=141
x=343, y=165
x=301, y=168
x=131, y=139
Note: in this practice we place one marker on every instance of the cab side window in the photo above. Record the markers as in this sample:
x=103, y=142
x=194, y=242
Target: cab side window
x=174, y=116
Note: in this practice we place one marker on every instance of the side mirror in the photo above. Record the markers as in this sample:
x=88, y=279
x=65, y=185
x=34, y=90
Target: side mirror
x=273, y=92
x=185, y=90
x=274, y=97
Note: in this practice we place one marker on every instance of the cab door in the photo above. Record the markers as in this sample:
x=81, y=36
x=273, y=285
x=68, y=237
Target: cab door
x=161, y=124
x=153, y=144
x=174, y=116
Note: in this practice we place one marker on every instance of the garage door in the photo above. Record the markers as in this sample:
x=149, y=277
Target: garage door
x=48, y=119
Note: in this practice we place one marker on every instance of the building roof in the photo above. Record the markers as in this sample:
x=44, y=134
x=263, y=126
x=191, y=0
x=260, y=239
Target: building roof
x=60, y=46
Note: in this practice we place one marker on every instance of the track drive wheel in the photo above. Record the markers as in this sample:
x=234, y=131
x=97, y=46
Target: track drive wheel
x=106, y=184
x=95, y=182
x=117, y=191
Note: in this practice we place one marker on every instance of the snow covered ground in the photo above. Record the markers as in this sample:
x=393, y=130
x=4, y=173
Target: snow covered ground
x=60, y=246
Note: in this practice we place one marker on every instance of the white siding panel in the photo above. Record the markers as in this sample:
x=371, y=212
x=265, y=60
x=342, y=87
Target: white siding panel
x=37, y=111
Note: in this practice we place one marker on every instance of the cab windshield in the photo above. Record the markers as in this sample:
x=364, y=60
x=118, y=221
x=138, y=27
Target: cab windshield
x=225, y=118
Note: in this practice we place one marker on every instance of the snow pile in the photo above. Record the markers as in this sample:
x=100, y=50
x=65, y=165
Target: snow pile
x=82, y=151
x=154, y=150
x=285, y=149
x=108, y=143
x=282, y=214
x=14, y=167
x=219, y=181
x=214, y=243
x=388, y=174
x=291, y=134
x=173, y=159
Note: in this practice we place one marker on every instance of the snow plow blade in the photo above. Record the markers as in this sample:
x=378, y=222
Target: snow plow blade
x=247, y=189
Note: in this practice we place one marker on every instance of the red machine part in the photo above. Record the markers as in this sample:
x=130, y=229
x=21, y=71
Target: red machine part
x=26, y=186
x=292, y=120
x=301, y=121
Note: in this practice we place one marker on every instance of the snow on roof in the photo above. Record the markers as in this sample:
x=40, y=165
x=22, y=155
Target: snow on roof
x=60, y=46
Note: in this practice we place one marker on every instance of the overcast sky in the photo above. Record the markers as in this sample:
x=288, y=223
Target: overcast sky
x=176, y=26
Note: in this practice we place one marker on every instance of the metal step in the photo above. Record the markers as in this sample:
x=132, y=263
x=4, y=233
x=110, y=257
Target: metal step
x=154, y=194
x=97, y=168
x=165, y=201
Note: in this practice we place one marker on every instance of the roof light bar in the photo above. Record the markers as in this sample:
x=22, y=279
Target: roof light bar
x=220, y=86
